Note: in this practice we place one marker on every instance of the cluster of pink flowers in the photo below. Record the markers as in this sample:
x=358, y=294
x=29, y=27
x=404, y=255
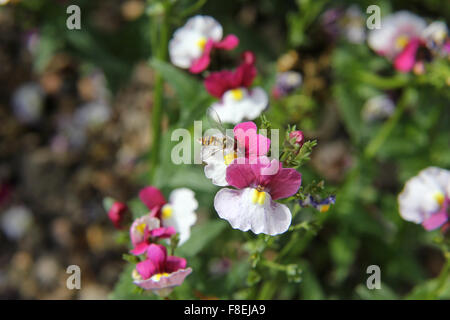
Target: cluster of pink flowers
x=156, y=271
x=407, y=41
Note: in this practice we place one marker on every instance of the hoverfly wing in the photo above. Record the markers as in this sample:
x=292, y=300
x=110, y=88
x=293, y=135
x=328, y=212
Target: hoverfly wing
x=215, y=122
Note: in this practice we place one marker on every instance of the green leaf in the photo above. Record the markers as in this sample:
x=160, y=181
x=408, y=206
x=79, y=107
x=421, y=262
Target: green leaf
x=125, y=289
x=201, y=236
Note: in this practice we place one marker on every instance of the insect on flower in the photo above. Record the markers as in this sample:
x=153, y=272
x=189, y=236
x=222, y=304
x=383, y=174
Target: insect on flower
x=219, y=141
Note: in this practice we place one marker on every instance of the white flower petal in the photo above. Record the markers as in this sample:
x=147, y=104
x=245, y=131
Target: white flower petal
x=183, y=215
x=251, y=105
x=237, y=208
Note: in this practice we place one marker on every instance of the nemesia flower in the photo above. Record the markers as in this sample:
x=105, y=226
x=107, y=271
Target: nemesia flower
x=322, y=205
x=247, y=143
x=191, y=45
x=237, y=100
x=159, y=272
x=399, y=39
x=251, y=206
x=178, y=213
x=117, y=214
x=426, y=197
x=378, y=107
x=396, y=31
x=286, y=83
x=143, y=230
x=436, y=38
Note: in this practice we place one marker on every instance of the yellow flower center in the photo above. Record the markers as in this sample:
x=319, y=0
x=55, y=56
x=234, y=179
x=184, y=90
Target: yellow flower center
x=439, y=197
x=258, y=197
x=158, y=276
x=135, y=275
x=201, y=43
x=141, y=227
x=324, y=208
x=237, y=94
x=166, y=211
x=401, y=41
x=229, y=158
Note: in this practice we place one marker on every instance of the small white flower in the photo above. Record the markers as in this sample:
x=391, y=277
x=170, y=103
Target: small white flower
x=424, y=196
x=179, y=212
x=241, y=103
x=189, y=41
x=396, y=31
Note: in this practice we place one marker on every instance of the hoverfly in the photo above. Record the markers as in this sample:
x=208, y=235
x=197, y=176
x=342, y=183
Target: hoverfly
x=220, y=144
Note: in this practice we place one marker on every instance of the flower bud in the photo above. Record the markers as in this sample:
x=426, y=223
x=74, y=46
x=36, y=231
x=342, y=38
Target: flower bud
x=298, y=136
x=117, y=214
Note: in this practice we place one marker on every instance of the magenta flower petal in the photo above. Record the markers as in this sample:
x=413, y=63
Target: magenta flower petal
x=175, y=263
x=157, y=254
x=405, y=61
x=436, y=220
x=146, y=268
x=203, y=62
x=247, y=137
x=230, y=42
x=152, y=197
x=217, y=83
x=163, y=232
x=240, y=176
x=140, y=248
x=285, y=184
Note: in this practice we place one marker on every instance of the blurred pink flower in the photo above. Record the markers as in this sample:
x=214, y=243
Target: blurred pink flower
x=160, y=272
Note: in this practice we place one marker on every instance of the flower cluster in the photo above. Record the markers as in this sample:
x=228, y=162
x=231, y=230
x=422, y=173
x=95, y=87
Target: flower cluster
x=408, y=42
x=190, y=48
x=155, y=270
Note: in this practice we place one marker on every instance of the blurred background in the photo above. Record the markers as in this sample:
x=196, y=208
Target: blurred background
x=75, y=111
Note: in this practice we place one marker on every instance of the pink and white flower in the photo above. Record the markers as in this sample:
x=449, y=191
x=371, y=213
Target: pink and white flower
x=237, y=100
x=399, y=38
x=247, y=143
x=425, y=198
x=251, y=205
x=159, y=272
x=191, y=45
x=144, y=231
x=178, y=212
x=437, y=38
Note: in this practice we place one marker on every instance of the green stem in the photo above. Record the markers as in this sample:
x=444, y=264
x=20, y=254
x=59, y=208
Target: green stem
x=443, y=279
x=160, y=43
x=375, y=144
x=398, y=81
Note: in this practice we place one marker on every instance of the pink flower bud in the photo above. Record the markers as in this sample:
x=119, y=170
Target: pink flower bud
x=298, y=135
x=117, y=214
